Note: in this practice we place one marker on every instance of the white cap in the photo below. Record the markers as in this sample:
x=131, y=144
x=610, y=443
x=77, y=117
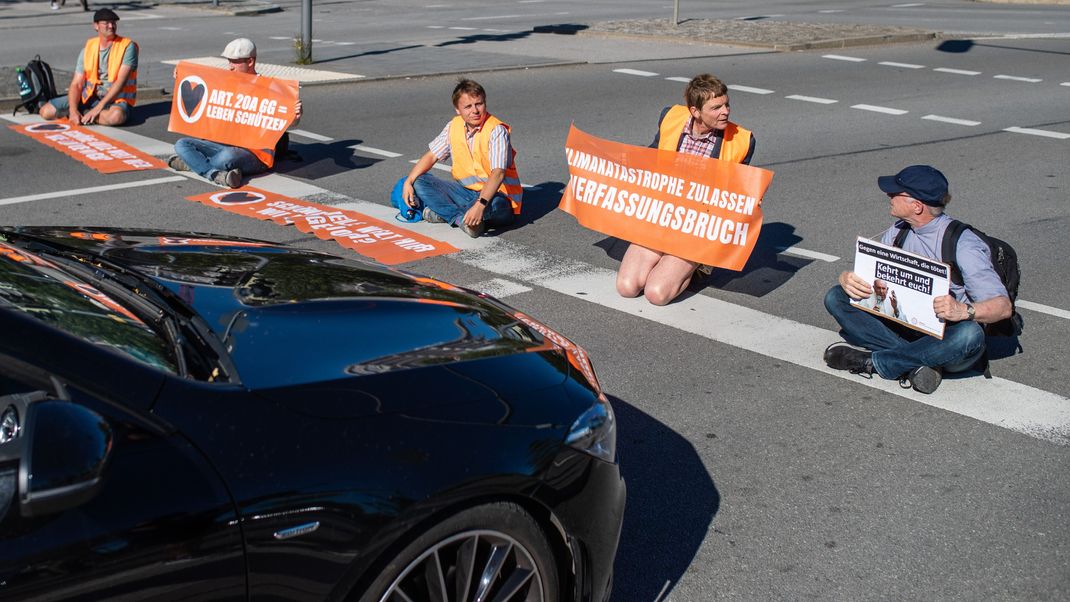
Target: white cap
x=241, y=48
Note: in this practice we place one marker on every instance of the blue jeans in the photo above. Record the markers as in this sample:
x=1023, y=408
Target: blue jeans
x=205, y=157
x=450, y=201
x=897, y=351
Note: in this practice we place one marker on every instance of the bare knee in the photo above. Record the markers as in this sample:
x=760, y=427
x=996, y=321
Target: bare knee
x=628, y=287
x=660, y=295
x=113, y=116
x=48, y=112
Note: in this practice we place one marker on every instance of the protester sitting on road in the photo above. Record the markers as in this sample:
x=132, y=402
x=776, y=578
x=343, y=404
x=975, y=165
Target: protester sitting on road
x=699, y=128
x=485, y=190
x=918, y=195
x=223, y=164
x=104, y=87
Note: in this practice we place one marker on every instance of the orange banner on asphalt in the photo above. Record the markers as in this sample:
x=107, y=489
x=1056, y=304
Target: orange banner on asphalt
x=379, y=240
x=701, y=209
x=91, y=148
x=250, y=111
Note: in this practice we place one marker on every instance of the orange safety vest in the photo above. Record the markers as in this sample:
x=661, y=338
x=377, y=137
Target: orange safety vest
x=472, y=167
x=734, y=146
x=91, y=65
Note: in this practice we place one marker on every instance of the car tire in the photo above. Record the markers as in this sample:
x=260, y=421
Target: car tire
x=498, y=547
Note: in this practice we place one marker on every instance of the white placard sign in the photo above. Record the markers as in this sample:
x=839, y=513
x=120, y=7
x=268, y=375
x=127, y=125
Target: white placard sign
x=904, y=285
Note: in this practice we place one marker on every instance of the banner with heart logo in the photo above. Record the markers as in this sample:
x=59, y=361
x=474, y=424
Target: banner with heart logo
x=250, y=111
x=89, y=147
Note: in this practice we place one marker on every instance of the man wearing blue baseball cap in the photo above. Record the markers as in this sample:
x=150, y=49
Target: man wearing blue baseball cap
x=918, y=195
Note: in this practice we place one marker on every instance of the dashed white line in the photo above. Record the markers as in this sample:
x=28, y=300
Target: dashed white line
x=840, y=57
x=436, y=27
x=831, y=10
x=820, y=101
x=465, y=28
x=346, y=43
x=685, y=80
x=636, y=72
x=739, y=88
x=953, y=120
x=493, y=17
x=909, y=5
x=956, y=71
x=901, y=65
x=89, y=190
x=279, y=38
x=1065, y=84
x=438, y=166
x=810, y=254
x=876, y=109
x=1044, y=309
x=1015, y=78
x=375, y=151
x=310, y=135
x=1034, y=132
x=170, y=28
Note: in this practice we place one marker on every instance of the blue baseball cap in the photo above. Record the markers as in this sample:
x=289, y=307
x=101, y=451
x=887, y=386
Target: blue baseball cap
x=922, y=182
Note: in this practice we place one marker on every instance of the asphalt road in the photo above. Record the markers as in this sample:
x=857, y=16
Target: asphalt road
x=754, y=472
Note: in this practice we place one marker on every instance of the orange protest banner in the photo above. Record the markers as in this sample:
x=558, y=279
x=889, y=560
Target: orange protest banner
x=379, y=240
x=698, y=208
x=250, y=111
x=91, y=148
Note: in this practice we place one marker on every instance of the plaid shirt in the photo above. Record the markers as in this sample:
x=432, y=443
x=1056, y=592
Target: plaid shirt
x=708, y=145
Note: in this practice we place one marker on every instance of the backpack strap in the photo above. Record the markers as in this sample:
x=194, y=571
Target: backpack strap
x=949, y=248
x=901, y=236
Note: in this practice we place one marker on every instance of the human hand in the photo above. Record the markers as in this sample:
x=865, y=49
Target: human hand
x=91, y=116
x=474, y=216
x=948, y=309
x=409, y=194
x=297, y=110
x=855, y=287
x=895, y=302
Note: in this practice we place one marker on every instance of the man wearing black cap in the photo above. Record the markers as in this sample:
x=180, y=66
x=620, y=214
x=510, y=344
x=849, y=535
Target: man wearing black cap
x=104, y=87
x=917, y=196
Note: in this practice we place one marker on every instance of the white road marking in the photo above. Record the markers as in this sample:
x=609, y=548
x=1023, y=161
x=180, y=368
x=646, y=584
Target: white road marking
x=436, y=27
x=499, y=287
x=1015, y=78
x=998, y=401
x=310, y=135
x=1033, y=132
x=149, y=146
x=902, y=65
x=831, y=10
x=80, y=191
x=1044, y=309
x=739, y=88
x=438, y=166
x=910, y=5
x=1065, y=84
x=685, y=80
x=346, y=43
x=821, y=101
x=375, y=151
x=810, y=254
x=493, y=17
x=840, y=57
x=170, y=28
x=279, y=38
x=951, y=120
x=635, y=72
x=876, y=109
x=956, y=71
x=465, y=28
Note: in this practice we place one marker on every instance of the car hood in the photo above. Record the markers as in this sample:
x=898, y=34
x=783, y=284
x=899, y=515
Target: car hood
x=291, y=316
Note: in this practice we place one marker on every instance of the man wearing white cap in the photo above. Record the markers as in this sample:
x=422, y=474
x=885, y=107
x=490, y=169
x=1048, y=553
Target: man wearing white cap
x=223, y=164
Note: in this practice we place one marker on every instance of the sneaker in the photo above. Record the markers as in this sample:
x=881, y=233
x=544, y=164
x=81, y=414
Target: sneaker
x=922, y=379
x=177, y=163
x=230, y=178
x=841, y=356
x=474, y=232
x=54, y=5
x=431, y=217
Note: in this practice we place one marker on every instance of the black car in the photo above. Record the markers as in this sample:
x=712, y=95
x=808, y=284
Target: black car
x=193, y=417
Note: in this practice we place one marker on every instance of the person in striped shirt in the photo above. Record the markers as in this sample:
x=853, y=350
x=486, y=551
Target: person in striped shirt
x=485, y=188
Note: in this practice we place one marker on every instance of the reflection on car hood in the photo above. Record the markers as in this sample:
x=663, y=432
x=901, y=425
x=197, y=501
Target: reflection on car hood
x=291, y=315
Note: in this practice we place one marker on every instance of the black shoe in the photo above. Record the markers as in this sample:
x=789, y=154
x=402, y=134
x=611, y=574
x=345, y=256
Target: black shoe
x=922, y=379
x=841, y=356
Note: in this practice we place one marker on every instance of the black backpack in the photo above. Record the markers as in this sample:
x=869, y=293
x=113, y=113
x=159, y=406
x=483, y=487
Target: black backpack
x=1004, y=262
x=36, y=85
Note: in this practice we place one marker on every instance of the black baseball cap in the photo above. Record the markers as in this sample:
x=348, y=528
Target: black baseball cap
x=923, y=182
x=105, y=14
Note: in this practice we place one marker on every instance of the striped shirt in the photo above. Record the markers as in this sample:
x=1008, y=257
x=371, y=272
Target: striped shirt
x=500, y=147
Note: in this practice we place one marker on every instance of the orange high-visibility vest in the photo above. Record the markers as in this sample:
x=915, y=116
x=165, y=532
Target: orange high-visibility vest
x=472, y=167
x=91, y=65
x=734, y=146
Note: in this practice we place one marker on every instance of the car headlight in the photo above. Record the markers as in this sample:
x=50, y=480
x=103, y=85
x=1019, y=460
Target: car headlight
x=595, y=432
x=9, y=424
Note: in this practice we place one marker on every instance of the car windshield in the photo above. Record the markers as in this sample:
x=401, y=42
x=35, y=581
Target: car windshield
x=43, y=289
